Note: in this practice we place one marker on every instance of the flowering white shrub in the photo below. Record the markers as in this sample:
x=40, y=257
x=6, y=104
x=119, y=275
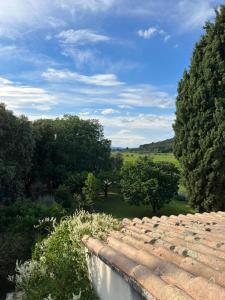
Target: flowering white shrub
x=58, y=270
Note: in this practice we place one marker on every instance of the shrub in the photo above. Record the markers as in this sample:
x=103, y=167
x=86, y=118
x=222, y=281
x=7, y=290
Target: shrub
x=91, y=189
x=20, y=227
x=58, y=267
x=63, y=196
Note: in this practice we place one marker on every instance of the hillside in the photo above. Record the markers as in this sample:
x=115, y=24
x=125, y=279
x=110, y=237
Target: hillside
x=165, y=146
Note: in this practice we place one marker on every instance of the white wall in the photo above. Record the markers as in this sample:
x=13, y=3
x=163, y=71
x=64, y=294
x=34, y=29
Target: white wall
x=109, y=284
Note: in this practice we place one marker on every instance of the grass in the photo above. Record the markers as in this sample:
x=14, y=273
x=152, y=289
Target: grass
x=156, y=157
x=118, y=208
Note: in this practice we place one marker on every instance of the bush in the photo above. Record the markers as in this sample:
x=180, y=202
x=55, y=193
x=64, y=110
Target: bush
x=63, y=196
x=91, y=189
x=58, y=267
x=20, y=227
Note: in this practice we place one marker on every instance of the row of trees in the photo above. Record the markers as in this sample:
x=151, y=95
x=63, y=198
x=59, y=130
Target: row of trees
x=36, y=158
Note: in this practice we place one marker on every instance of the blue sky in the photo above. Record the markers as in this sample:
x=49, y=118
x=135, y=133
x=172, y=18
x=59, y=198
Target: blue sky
x=118, y=61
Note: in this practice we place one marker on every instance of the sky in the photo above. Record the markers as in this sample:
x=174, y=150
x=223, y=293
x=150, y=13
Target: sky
x=118, y=61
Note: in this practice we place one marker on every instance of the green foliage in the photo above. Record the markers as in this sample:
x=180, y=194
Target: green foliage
x=63, y=196
x=91, y=189
x=66, y=147
x=156, y=157
x=165, y=146
x=20, y=228
x=16, y=149
x=116, y=162
x=58, y=267
x=75, y=181
x=145, y=182
x=200, y=120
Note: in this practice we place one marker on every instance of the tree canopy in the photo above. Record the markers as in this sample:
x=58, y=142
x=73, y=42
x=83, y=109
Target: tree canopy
x=200, y=119
x=36, y=158
x=66, y=146
x=148, y=183
x=16, y=152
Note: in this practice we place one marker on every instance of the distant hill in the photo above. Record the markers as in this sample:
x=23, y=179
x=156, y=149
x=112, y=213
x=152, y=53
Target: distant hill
x=165, y=146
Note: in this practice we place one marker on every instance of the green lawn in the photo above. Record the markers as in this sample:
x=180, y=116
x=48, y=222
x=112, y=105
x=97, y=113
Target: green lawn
x=115, y=206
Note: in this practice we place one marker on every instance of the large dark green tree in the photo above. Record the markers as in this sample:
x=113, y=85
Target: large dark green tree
x=16, y=151
x=200, y=119
x=66, y=147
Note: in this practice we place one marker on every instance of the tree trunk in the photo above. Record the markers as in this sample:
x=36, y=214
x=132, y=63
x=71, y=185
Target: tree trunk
x=106, y=191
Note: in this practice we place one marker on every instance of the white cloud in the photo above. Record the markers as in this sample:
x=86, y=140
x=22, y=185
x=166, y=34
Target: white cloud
x=151, y=31
x=141, y=121
x=136, y=129
x=17, y=96
x=109, y=111
x=13, y=54
x=104, y=89
x=81, y=36
x=98, y=79
x=125, y=106
x=56, y=22
x=81, y=57
x=85, y=5
x=145, y=95
x=147, y=33
x=193, y=14
x=21, y=16
x=126, y=138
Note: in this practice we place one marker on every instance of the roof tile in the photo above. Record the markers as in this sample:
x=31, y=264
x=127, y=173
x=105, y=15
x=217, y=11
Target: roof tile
x=177, y=257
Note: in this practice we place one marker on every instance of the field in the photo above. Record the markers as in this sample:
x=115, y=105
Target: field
x=167, y=157
x=116, y=206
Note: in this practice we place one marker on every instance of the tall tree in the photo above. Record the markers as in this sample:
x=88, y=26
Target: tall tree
x=200, y=119
x=16, y=151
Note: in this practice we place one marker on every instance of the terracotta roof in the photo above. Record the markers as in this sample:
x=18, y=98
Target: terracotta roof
x=177, y=257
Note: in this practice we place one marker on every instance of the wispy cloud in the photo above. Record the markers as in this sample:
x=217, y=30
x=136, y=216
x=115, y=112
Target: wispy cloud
x=141, y=121
x=136, y=129
x=81, y=37
x=39, y=13
x=104, y=89
x=98, y=79
x=147, y=33
x=81, y=57
x=151, y=31
x=193, y=14
x=109, y=111
x=19, y=97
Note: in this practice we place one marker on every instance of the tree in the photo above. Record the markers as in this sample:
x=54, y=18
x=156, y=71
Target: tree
x=90, y=189
x=106, y=178
x=68, y=146
x=16, y=152
x=200, y=119
x=148, y=183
